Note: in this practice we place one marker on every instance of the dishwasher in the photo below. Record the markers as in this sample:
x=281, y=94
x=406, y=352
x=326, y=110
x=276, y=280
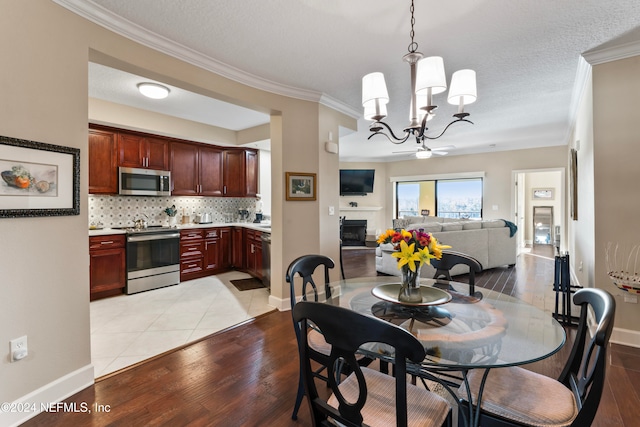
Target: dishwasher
x=266, y=260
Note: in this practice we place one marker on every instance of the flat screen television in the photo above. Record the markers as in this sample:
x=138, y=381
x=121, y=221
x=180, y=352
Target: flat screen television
x=356, y=182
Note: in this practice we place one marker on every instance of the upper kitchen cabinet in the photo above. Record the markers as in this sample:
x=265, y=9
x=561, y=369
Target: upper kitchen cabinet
x=103, y=165
x=142, y=151
x=240, y=173
x=196, y=170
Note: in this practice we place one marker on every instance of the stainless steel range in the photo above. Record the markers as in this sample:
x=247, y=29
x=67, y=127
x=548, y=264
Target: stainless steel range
x=153, y=258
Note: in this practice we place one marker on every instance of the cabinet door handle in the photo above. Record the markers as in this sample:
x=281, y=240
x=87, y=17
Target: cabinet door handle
x=110, y=242
x=224, y=189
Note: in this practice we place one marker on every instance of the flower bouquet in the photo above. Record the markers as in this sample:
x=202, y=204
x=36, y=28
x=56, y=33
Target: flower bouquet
x=414, y=248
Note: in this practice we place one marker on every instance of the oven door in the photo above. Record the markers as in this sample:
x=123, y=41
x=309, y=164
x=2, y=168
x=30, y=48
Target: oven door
x=153, y=261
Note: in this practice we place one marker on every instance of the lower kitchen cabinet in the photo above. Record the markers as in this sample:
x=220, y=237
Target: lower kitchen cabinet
x=237, y=248
x=191, y=254
x=107, y=265
x=224, y=248
x=204, y=251
x=253, y=253
x=212, y=249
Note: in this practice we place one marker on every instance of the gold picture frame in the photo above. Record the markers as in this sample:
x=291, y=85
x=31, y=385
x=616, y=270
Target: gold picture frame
x=300, y=186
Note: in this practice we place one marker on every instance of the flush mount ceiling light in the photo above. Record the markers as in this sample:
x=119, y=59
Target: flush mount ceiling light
x=153, y=90
x=427, y=79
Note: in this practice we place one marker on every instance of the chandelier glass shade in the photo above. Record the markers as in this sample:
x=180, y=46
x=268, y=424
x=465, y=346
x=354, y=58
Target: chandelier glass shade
x=428, y=78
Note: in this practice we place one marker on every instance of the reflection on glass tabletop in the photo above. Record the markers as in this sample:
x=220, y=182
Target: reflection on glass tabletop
x=430, y=295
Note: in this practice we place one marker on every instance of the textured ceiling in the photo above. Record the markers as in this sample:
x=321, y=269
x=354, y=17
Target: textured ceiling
x=526, y=54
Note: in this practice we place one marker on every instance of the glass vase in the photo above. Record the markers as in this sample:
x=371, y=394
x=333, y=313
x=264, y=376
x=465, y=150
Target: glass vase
x=410, y=285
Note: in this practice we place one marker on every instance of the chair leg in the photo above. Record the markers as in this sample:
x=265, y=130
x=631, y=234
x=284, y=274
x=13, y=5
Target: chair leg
x=341, y=263
x=300, y=395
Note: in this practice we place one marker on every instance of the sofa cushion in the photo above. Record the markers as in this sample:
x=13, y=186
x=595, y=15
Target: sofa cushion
x=471, y=225
x=427, y=227
x=493, y=223
x=452, y=226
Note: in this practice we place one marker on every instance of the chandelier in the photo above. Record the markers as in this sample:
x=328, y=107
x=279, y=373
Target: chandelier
x=427, y=79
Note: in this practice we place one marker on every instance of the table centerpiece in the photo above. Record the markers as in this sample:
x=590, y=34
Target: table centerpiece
x=414, y=248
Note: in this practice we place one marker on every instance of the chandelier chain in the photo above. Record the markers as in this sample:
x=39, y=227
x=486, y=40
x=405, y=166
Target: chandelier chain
x=413, y=46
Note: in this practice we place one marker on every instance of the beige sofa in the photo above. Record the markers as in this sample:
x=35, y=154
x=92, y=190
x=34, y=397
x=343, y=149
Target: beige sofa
x=492, y=242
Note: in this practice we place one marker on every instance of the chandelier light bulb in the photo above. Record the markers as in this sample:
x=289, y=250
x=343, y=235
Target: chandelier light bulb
x=153, y=90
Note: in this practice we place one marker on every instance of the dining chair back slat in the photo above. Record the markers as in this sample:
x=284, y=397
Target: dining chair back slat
x=345, y=342
x=304, y=268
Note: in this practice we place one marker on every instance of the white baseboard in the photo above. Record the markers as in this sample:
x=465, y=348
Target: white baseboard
x=279, y=303
x=625, y=337
x=32, y=404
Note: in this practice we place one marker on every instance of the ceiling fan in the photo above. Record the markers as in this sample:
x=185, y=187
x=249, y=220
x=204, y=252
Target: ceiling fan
x=424, y=152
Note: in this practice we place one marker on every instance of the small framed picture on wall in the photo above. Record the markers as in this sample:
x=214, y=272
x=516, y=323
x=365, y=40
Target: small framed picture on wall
x=301, y=186
x=543, y=194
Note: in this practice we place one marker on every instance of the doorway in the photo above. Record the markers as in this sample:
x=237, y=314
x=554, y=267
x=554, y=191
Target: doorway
x=539, y=188
x=543, y=225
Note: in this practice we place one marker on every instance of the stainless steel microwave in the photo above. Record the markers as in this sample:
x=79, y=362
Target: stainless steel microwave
x=144, y=182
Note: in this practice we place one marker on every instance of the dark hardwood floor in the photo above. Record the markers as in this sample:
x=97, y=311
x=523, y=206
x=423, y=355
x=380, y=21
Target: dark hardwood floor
x=248, y=375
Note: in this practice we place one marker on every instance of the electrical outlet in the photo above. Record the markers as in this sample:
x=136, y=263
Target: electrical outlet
x=19, y=349
x=332, y=210
x=633, y=299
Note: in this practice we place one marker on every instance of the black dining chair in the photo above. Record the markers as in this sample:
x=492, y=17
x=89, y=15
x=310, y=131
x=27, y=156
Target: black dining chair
x=304, y=267
x=515, y=396
x=449, y=260
x=365, y=397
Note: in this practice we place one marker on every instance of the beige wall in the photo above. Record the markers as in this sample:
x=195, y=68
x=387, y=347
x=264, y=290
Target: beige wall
x=616, y=156
x=44, y=261
x=376, y=219
x=497, y=168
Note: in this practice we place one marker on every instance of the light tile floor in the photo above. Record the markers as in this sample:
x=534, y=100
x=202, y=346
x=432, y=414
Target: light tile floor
x=130, y=328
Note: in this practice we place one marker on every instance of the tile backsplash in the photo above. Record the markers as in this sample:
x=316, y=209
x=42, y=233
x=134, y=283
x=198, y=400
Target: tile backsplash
x=122, y=211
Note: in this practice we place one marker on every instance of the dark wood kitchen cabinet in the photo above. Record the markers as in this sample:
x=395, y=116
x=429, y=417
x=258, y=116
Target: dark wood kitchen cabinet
x=212, y=249
x=237, y=248
x=225, y=248
x=240, y=173
x=142, y=151
x=103, y=166
x=253, y=253
x=196, y=170
x=107, y=265
x=192, y=258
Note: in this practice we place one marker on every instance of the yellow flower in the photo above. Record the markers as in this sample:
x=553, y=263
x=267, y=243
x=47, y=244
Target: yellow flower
x=407, y=256
x=387, y=235
x=436, y=249
x=425, y=256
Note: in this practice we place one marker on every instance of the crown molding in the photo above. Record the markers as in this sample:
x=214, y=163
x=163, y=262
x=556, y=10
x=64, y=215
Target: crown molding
x=112, y=22
x=622, y=51
x=583, y=78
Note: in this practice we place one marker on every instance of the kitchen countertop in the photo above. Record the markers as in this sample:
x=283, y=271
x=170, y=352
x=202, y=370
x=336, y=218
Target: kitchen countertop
x=249, y=225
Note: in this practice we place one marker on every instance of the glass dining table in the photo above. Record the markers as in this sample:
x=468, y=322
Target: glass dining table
x=460, y=332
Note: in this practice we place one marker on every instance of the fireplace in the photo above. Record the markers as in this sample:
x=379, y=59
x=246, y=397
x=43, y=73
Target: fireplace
x=354, y=232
